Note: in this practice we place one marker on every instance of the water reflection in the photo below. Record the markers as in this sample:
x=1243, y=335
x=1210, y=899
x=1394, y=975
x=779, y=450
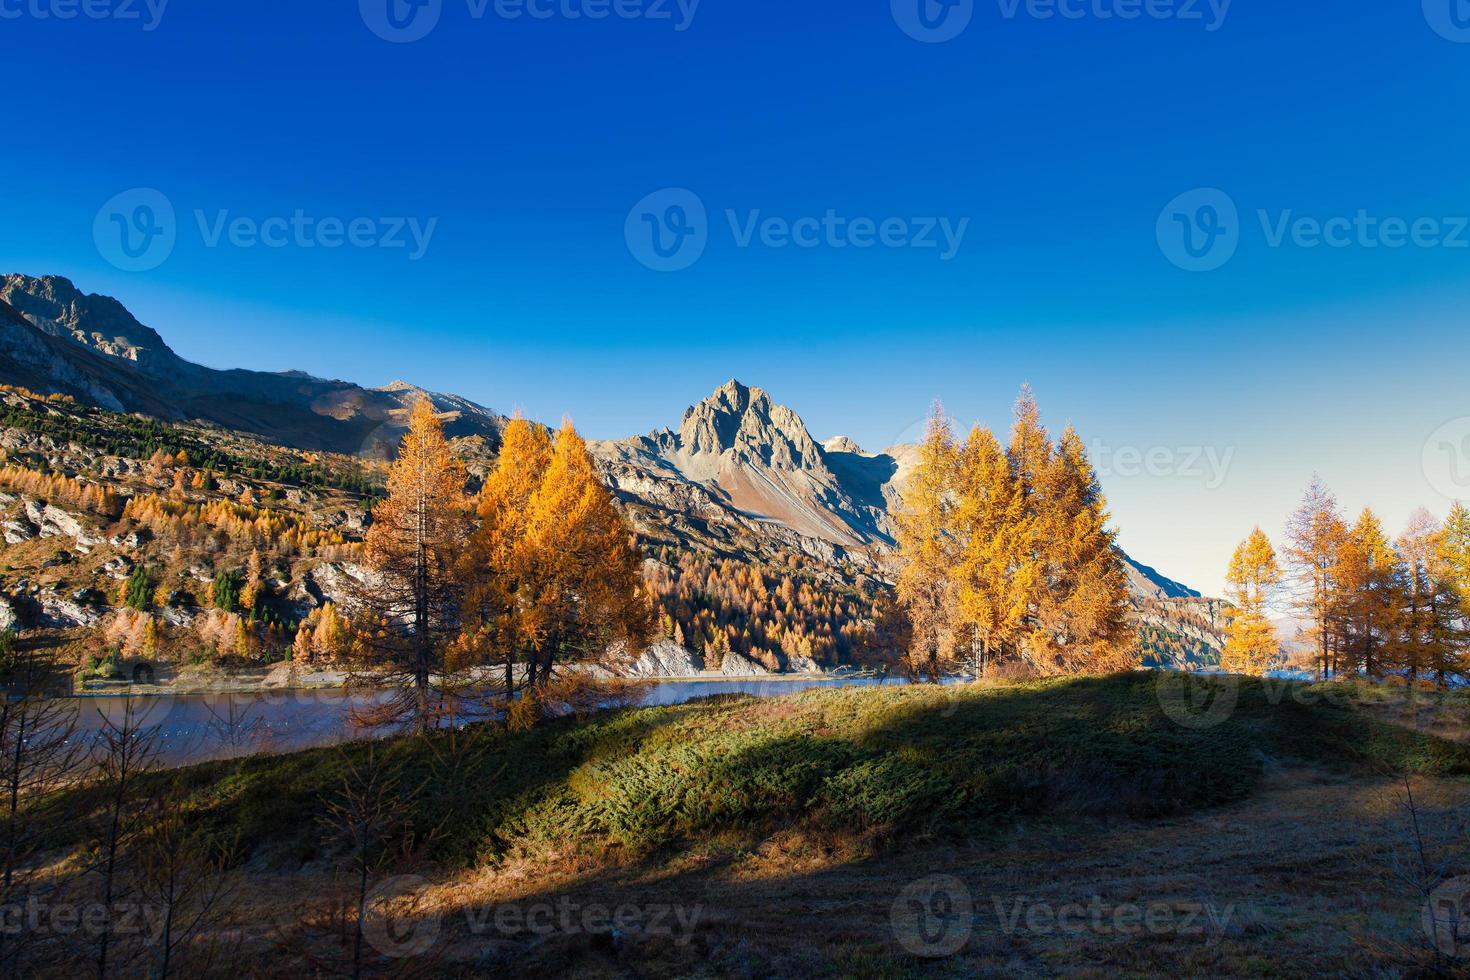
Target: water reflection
x=199, y=728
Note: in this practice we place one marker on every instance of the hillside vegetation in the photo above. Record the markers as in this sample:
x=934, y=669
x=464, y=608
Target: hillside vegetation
x=868, y=763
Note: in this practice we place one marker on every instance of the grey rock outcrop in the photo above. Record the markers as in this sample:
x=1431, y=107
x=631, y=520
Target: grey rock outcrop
x=665, y=659
x=63, y=612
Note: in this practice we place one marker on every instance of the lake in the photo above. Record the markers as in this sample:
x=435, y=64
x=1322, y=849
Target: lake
x=201, y=727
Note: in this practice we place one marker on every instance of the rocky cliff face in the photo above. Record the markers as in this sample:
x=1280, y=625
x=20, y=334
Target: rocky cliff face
x=97, y=323
x=741, y=460
x=90, y=347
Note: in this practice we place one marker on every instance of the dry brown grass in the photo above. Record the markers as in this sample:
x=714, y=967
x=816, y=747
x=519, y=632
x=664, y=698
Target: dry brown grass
x=1298, y=874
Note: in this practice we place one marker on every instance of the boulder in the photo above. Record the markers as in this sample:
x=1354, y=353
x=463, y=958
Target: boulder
x=55, y=523
x=120, y=567
x=132, y=540
x=19, y=530
x=665, y=659
x=802, y=665
x=61, y=612
x=178, y=615
x=336, y=583
x=738, y=665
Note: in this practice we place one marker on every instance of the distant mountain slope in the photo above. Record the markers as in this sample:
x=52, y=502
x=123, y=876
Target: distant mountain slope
x=92, y=348
x=1149, y=583
x=741, y=477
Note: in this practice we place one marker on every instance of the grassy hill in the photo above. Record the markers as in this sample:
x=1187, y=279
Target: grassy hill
x=792, y=825
x=868, y=762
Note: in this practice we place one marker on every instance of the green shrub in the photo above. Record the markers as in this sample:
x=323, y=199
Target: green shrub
x=860, y=761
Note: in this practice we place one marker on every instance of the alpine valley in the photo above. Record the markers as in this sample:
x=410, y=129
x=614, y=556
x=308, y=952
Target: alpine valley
x=765, y=546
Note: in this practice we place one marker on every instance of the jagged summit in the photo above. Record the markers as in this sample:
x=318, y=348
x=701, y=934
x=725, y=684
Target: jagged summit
x=742, y=455
x=99, y=323
x=842, y=444
x=745, y=423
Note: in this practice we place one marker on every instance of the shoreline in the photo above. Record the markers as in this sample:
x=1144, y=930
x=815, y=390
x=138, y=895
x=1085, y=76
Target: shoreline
x=340, y=686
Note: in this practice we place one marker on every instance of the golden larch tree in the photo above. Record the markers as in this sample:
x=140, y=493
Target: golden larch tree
x=1252, y=644
x=498, y=561
x=994, y=537
x=1429, y=636
x=581, y=594
x=927, y=550
x=409, y=595
x=1367, y=603
x=1314, y=534
x=1082, y=602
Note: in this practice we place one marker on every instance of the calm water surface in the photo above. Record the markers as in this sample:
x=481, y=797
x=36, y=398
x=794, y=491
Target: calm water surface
x=198, y=728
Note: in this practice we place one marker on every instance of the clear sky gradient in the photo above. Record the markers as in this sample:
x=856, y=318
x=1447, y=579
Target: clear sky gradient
x=1060, y=139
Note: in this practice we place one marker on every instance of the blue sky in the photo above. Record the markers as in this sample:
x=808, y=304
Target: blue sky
x=1057, y=141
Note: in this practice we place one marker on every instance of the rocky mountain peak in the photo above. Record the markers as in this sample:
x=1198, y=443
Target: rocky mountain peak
x=842, y=444
x=99, y=323
x=747, y=424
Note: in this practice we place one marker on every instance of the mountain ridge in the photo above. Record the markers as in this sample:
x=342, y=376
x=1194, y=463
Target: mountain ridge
x=741, y=475
x=90, y=347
